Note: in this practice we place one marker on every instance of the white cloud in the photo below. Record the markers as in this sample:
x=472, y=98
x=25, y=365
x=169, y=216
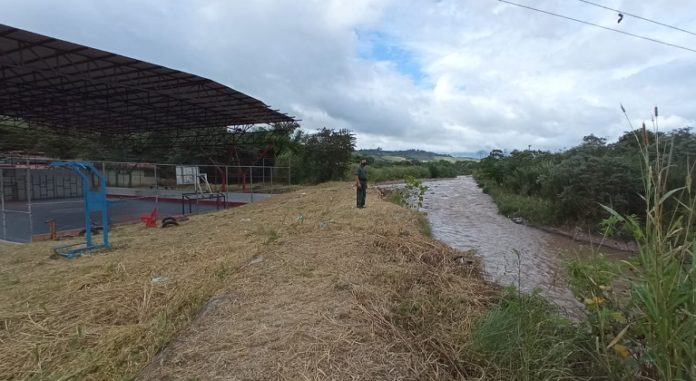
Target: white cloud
x=468, y=74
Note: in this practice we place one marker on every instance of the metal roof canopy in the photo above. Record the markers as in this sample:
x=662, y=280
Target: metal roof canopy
x=79, y=90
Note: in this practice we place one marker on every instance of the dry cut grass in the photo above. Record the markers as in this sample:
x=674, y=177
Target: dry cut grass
x=301, y=286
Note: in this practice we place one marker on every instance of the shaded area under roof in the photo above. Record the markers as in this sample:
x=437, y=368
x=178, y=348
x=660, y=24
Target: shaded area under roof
x=82, y=90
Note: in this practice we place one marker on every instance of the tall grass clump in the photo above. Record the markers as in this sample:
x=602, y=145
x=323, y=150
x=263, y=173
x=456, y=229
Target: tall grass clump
x=663, y=291
x=648, y=331
x=525, y=338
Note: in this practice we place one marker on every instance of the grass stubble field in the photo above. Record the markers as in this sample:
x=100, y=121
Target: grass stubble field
x=300, y=286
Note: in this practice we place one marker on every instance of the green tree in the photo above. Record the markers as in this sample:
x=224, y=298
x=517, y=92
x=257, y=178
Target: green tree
x=323, y=156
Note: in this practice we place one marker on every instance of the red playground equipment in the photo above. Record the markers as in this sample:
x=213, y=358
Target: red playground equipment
x=150, y=219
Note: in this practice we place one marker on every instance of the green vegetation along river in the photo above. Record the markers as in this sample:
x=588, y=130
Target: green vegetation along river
x=467, y=219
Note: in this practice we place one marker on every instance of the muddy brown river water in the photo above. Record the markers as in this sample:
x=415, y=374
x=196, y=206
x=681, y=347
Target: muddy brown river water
x=464, y=217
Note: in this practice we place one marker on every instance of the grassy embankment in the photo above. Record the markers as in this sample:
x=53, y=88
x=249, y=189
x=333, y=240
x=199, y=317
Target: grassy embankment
x=304, y=286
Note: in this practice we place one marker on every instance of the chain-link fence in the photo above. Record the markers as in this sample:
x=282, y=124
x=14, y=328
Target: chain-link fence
x=36, y=198
x=38, y=201
x=173, y=179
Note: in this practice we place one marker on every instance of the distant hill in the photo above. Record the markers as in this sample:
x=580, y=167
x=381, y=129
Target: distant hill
x=407, y=155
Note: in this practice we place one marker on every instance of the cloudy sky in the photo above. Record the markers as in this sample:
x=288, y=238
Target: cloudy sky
x=449, y=76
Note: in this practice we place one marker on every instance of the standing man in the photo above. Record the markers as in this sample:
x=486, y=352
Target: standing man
x=361, y=183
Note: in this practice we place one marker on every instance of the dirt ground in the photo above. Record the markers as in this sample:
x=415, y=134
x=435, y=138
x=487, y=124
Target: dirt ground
x=302, y=286
x=5, y=247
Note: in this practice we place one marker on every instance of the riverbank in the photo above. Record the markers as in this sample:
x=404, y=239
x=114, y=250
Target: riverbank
x=302, y=285
x=540, y=214
x=592, y=239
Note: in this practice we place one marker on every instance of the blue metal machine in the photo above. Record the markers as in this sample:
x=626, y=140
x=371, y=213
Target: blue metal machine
x=95, y=201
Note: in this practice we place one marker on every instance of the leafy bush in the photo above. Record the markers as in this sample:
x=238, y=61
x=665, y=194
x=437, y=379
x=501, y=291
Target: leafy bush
x=415, y=191
x=534, y=209
x=396, y=172
x=577, y=182
x=401, y=170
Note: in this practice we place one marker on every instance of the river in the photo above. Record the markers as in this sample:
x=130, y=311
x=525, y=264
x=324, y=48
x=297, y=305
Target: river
x=465, y=218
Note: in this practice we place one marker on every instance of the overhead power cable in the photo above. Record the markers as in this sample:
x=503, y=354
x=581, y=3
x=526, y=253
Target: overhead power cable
x=638, y=17
x=599, y=26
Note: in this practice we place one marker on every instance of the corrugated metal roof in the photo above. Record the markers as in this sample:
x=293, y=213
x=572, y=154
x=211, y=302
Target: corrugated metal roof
x=62, y=85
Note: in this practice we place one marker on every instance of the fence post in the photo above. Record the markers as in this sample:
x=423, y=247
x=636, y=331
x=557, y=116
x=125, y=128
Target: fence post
x=251, y=182
x=2, y=204
x=31, y=222
x=227, y=180
x=156, y=187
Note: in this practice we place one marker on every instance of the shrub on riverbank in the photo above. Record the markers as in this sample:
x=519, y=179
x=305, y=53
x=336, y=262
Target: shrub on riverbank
x=397, y=172
x=578, y=181
x=379, y=172
x=411, y=196
x=533, y=209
